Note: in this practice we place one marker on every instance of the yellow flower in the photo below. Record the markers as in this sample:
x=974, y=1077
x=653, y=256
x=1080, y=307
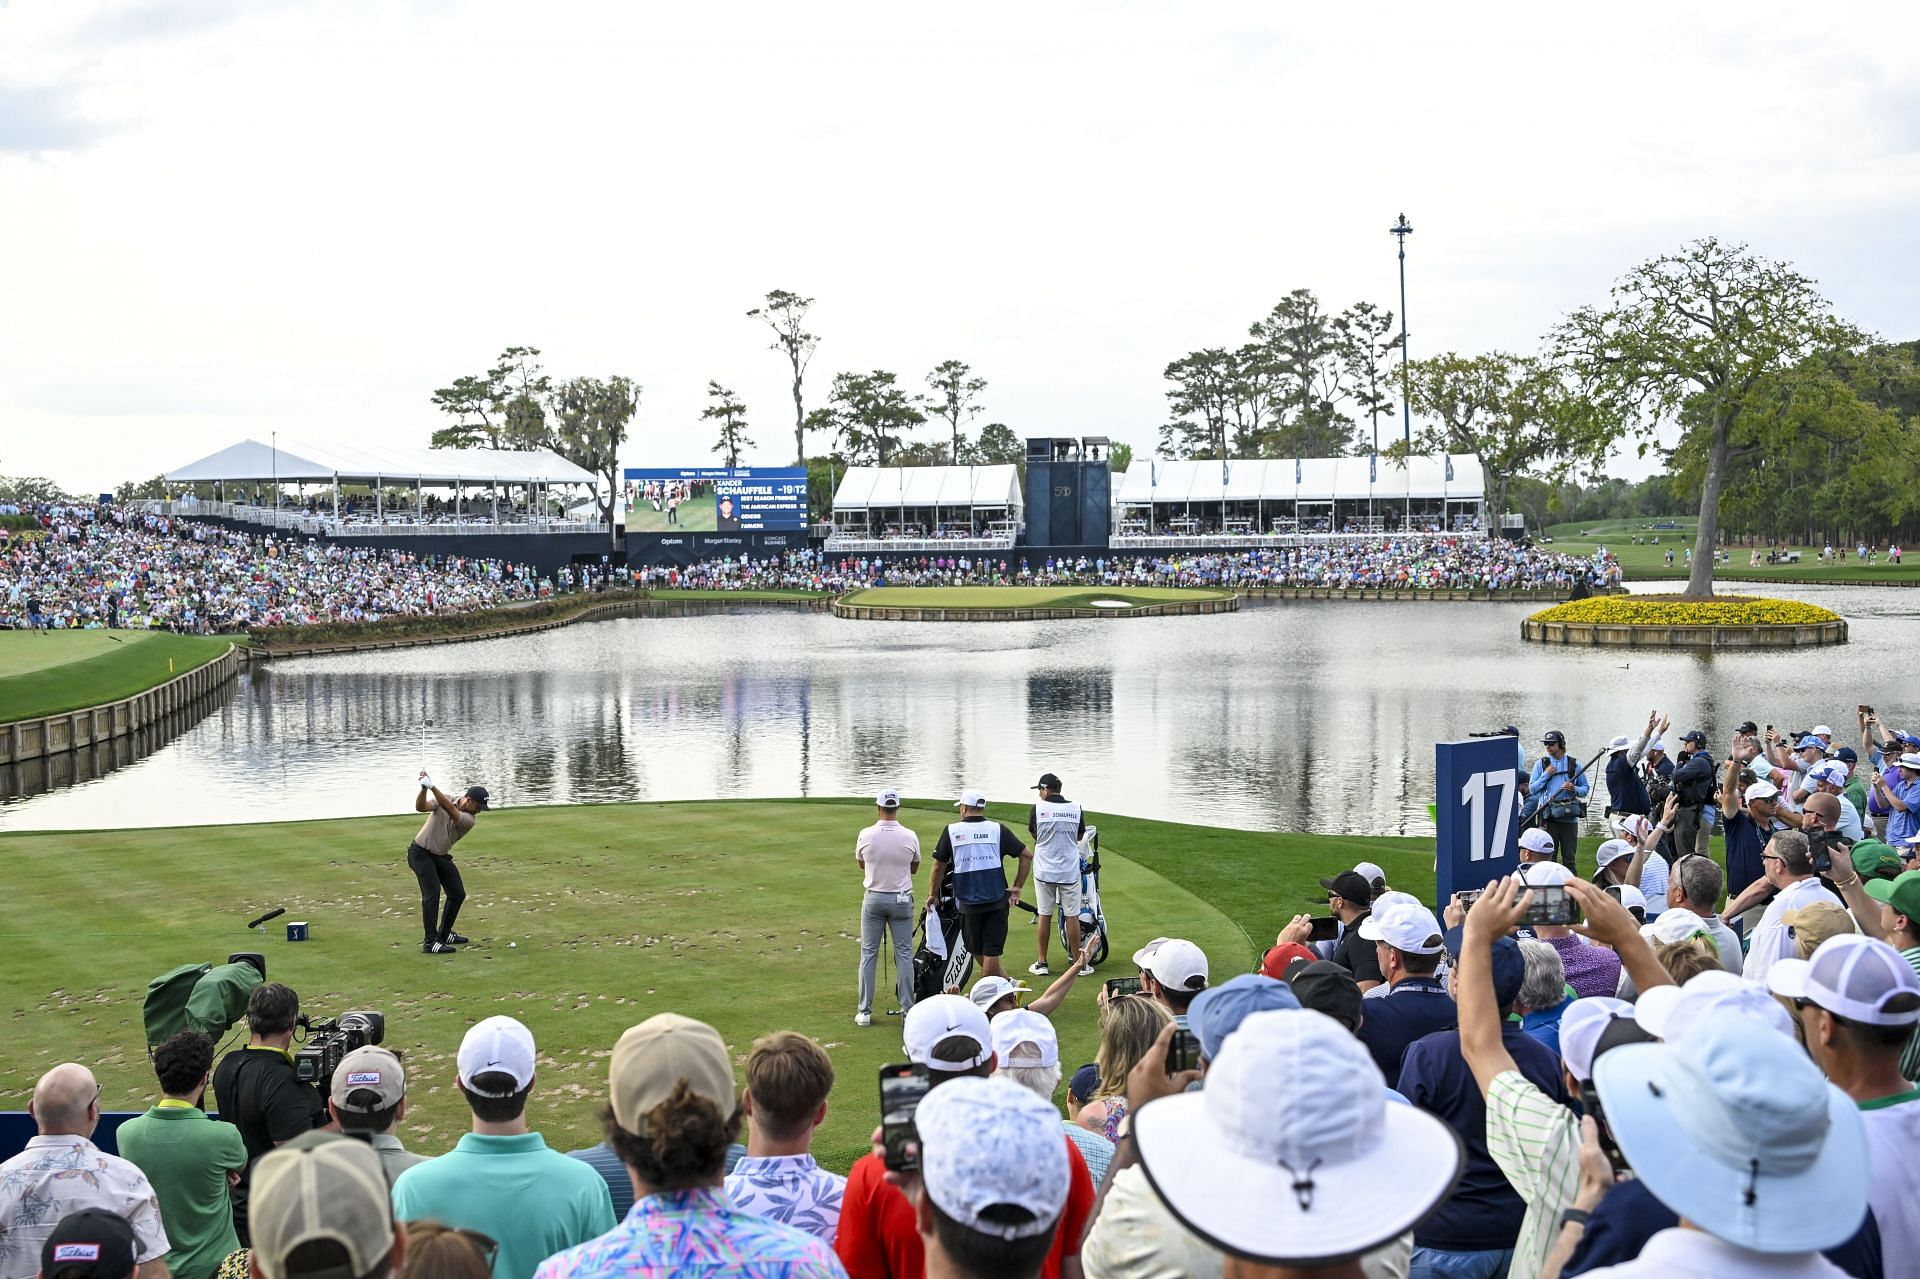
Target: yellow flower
x=1675, y=610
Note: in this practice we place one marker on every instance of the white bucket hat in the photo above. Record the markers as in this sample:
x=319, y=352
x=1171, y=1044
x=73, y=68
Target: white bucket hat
x=1735, y=1129
x=1291, y=1154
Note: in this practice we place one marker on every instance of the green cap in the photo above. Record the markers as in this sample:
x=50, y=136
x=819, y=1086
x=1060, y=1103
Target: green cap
x=1875, y=860
x=1902, y=893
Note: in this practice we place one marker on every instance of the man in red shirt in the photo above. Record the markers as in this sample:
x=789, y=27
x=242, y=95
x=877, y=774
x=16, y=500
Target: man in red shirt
x=879, y=1236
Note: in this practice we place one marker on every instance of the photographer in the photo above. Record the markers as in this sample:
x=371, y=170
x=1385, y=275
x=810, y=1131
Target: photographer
x=1693, y=784
x=258, y=1091
x=1560, y=786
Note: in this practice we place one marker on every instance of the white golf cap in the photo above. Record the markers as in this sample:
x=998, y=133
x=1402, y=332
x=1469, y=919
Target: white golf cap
x=1612, y=851
x=1658, y=744
x=1633, y=826
x=989, y=1143
x=1762, y=789
x=1832, y=772
x=938, y=1017
x=1410, y=929
x=1910, y=760
x=971, y=799
x=1630, y=897
x=1544, y=874
x=498, y=1044
x=1822, y=730
x=1291, y=1153
x=1672, y=926
x=1620, y=743
x=989, y=991
x=1393, y=897
x=888, y=798
x=1024, y=1038
x=1671, y=1012
x=1853, y=976
x=1174, y=962
x=1371, y=873
x=1581, y=1026
x=1535, y=840
x=1737, y=1131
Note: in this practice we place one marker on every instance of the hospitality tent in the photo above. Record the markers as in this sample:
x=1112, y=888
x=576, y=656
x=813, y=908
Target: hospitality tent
x=927, y=501
x=249, y=464
x=1155, y=496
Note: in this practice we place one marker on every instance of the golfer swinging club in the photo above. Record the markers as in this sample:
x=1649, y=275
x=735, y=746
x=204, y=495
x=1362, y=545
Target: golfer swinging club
x=430, y=858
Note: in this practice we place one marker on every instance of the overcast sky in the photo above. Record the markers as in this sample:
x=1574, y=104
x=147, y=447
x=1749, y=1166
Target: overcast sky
x=225, y=218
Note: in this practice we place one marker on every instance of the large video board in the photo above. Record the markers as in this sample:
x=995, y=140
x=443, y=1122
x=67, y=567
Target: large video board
x=715, y=499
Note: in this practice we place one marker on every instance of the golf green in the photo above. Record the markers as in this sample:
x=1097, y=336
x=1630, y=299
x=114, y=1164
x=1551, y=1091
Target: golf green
x=47, y=672
x=1005, y=597
x=585, y=920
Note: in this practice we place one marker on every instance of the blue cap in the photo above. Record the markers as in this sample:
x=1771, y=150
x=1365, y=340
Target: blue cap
x=1509, y=966
x=1847, y=755
x=1083, y=1084
x=1810, y=740
x=1218, y=1011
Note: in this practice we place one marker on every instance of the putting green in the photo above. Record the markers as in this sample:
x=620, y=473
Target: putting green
x=585, y=920
x=1003, y=597
x=45, y=673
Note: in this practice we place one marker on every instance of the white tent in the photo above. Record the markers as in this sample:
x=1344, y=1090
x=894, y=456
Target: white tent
x=1320, y=479
x=926, y=487
x=295, y=462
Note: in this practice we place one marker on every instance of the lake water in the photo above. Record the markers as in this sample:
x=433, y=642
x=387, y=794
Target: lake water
x=1312, y=716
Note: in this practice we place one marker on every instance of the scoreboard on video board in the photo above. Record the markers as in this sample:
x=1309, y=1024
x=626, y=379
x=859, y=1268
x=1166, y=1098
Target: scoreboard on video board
x=715, y=499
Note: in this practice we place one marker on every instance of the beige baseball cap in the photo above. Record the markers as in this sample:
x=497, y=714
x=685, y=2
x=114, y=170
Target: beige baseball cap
x=320, y=1186
x=652, y=1058
x=371, y=1068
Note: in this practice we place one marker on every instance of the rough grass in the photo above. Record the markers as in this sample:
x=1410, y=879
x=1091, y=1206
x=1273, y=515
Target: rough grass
x=1022, y=596
x=44, y=673
x=743, y=914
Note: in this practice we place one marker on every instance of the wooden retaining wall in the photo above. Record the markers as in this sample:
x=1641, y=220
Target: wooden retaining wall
x=1617, y=635
x=922, y=613
x=74, y=730
x=630, y=606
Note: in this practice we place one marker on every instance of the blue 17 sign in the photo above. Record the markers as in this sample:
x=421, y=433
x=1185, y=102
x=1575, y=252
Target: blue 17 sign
x=1477, y=812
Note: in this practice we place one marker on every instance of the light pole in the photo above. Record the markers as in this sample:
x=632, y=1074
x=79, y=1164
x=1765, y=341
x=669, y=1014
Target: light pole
x=274, y=445
x=1400, y=231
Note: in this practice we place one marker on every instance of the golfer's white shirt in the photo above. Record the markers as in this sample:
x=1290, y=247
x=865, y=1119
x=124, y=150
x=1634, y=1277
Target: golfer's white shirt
x=1770, y=939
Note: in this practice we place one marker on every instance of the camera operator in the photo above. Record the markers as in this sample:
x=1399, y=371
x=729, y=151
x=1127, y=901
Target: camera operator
x=258, y=1090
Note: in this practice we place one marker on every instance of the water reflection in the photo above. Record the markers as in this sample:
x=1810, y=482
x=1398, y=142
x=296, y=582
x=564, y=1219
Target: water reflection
x=1316, y=716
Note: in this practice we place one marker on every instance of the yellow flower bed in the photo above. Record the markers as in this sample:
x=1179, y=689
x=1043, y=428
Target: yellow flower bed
x=1675, y=610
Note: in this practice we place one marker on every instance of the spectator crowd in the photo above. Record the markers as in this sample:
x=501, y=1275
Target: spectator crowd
x=87, y=567
x=1466, y=563
x=1657, y=1071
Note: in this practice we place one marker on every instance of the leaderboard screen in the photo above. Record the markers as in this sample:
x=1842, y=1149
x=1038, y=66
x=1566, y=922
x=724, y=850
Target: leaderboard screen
x=715, y=499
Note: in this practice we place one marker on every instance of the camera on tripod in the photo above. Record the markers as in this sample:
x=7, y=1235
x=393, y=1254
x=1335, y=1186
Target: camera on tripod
x=328, y=1041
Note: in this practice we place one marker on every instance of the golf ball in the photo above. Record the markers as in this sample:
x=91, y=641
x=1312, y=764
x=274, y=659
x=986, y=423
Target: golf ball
x=513, y=945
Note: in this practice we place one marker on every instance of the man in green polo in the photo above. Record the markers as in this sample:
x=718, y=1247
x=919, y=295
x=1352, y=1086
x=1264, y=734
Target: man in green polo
x=192, y=1161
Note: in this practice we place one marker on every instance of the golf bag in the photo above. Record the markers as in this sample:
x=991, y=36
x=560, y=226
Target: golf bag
x=940, y=961
x=1093, y=920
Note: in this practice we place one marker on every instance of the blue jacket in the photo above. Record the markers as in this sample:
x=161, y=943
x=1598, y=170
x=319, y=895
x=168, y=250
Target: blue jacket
x=1626, y=793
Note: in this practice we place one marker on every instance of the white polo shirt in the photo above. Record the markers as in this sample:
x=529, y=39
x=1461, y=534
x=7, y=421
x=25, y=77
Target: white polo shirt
x=1770, y=939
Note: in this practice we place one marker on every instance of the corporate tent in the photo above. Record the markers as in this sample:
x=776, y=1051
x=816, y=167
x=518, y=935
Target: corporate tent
x=927, y=502
x=256, y=473
x=1277, y=496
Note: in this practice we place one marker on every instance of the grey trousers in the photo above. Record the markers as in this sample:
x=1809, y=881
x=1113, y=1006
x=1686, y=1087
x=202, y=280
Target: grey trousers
x=881, y=913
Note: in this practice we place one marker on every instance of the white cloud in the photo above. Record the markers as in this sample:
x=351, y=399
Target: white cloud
x=307, y=216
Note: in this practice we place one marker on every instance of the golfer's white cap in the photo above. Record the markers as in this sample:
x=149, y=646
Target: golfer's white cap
x=971, y=799
x=1174, y=962
x=938, y=1017
x=1535, y=840
x=1410, y=929
x=989, y=991
x=1291, y=1154
x=1025, y=1038
x=1612, y=851
x=989, y=1143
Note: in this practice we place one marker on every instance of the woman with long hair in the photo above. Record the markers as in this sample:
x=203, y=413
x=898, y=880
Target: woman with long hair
x=1127, y=1030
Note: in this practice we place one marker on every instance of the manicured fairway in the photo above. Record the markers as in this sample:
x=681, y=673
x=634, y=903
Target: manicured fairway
x=1023, y=596
x=1647, y=562
x=44, y=673
x=743, y=914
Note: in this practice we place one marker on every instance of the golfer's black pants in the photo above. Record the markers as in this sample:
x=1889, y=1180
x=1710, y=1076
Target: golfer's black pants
x=436, y=874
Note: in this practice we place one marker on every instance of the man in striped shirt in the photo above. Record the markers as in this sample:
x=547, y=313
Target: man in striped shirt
x=1534, y=1139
